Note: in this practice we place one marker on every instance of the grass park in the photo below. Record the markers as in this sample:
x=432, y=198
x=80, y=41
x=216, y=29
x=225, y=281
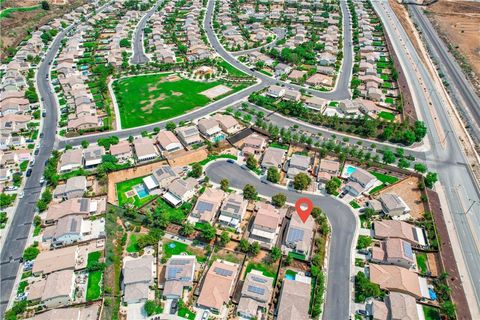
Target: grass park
x=151, y=98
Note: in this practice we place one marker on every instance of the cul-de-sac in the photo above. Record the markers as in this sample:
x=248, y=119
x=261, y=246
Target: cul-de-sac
x=239, y=159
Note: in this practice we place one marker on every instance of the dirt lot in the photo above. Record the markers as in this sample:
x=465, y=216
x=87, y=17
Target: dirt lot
x=14, y=28
x=459, y=24
x=408, y=190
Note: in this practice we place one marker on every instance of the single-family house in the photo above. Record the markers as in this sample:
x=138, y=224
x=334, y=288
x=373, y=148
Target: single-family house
x=360, y=181
x=207, y=205
x=68, y=258
x=70, y=160
x=292, y=95
x=393, y=205
x=396, y=279
x=161, y=178
x=384, y=229
x=396, y=305
x=58, y=290
x=210, y=129
x=299, y=236
x=188, y=135
x=316, y=103
x=75, y=187
x=179, y=274
x=273, y=157
x=298, y=163
x=138, y=275
x=233, y=210
x=255, y=296
x=228, y=123
x=281, y=69
x=180, y=191
x=168, y=141
x=145, y=149
x=294, y=299
x=275, y=91
x=394, y=251
x=266, y=225
x=218, y=285
x=92, y=155
x=253, y=144
x=122, y=151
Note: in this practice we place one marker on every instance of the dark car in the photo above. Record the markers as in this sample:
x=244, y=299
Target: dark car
x=36, y=151
x=29, y=172
x=41, y=135
x=44, y=114
x=174, y=306
x=230, y=161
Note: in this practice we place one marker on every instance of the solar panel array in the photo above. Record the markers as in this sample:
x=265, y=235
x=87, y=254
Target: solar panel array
x=203, y=206
x=256, y=290
x=407, y=249
x=295, y=235
x=223, y=272
x=172, y=272
x=258, y=279
x=84, y=204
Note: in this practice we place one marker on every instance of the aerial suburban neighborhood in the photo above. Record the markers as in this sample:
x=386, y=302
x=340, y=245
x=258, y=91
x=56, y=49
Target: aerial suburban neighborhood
x=239, y=159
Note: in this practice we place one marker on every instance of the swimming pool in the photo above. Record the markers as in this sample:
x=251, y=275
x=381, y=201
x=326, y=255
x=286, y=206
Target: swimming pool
x=290, y=276
x=141, y=191
x=219, y=138
x=349, y=170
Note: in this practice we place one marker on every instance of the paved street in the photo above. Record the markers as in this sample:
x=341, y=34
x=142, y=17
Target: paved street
x=343, y=225
x=139, y=56
x=454, y=174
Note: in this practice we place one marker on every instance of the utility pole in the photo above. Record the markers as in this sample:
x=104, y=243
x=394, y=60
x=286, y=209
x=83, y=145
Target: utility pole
x=469, y=208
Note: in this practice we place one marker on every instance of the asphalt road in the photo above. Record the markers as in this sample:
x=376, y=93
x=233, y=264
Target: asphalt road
x=139, y=56
x=339, y=215
x=458, y=182
x=280, y=33
x=340, y=92
x=459, y=84
x=18, y=233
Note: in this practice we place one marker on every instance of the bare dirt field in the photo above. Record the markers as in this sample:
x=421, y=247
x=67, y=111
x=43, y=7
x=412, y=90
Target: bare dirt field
x=459, y=24
x=14, y=27
x=408, y=190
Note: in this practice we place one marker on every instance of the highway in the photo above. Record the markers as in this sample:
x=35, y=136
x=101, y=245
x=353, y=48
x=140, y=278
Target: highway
x=139, y=56
x=342, y=221
x=460, y=188
x=459, y=84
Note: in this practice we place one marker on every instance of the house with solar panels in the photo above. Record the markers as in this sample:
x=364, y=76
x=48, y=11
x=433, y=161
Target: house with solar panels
x=207, y=206
x=255, y=296
x=218, y=286
x=188, y=135
x=299, y=238
x=160, y=178
x=179, y=275
x=233, y=210
x=394, y=251
x=180, y=191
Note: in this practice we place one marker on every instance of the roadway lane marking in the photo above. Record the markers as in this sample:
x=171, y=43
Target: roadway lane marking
x=467, y=217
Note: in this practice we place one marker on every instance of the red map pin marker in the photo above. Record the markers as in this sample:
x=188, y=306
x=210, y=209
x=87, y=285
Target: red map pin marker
x=303, y=212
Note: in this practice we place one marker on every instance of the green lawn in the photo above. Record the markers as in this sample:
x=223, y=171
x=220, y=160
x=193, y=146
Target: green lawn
x=174, y=214
x=93, y=257
x=132, y=244
x=278, y=145
x=231, y=69
x=21, y=286
x=149, y=98
x=212, y=157
x=297, y=256
x=389, y=100
x=422, y=262
x=6, y=12
x=24, y=165
x=431, y=313
x=185, y=313
x=179, y=248
x=387, y=116
x=93, y=286
x=267, y=270
x=126, y=186
x=384, y=177
x=265, y=72
x=354, y=204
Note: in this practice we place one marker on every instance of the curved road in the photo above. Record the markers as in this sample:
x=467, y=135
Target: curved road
x=139, y=56
x=340, y=216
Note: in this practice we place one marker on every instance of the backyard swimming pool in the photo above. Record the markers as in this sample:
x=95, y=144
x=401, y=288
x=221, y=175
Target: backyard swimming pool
x=141, y=191
x=349, y=170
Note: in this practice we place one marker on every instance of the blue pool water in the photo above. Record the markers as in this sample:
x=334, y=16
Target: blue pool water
x=350, y=170
x=171, y=245
x=432, y=294
x=219, y=138
x=290, y=276
x=141, y=191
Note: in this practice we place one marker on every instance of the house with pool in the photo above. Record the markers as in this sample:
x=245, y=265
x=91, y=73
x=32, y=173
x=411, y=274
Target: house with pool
x=210, y=129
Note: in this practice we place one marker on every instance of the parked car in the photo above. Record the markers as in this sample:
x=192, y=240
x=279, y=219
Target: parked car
x=205, y=315
x=21, y=195
x=29, y=172
x=174, y=306
x=36, y=151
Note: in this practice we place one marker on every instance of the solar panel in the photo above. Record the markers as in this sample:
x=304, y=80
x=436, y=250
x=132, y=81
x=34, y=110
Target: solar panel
x=178, y=262
x=84, y=204
x=223, y=272
x=256, y=290
x=73, y=225
x=407, y=250
x=295, y=235
x=204, y=206
x=260, y=280
x=172, y=272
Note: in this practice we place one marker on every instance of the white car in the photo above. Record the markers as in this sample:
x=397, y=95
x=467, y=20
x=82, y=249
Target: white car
x=21, y=195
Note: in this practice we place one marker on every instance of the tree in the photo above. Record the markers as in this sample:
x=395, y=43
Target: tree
x=251, y=162
x=197, y=170
x=316, y=212
x=279, y=200
x=275, y=254
x=288, y=260
x=208, y=232
x=170, y=126
x=85, y=144
x=249, y=192
x=301, y=181
x=254, y=248
x=332, y=185
x=430, y=179
x=273, y=175
x=244, y=246
x=124, y=43
x=150, y=307
x=224, y=184
x=363, y=242
x=224, y=238
x=365, y=289
x=45, y=5
x=187, y=229
x=403, y=164
x=30, y=253
x=420, y=167
x=388, y=157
